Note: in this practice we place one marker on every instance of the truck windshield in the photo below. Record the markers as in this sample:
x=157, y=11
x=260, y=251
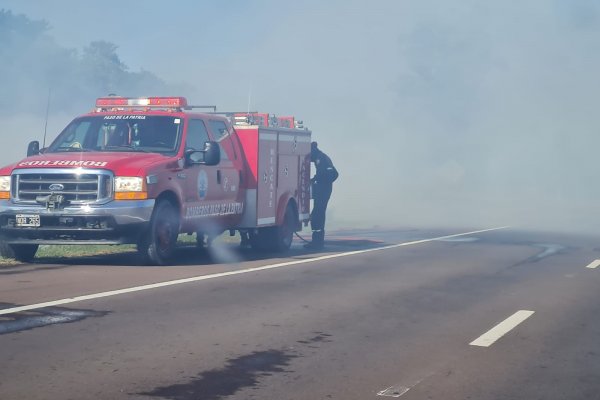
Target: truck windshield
x=145, y=133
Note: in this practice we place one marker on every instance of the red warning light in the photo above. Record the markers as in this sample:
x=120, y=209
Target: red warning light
x=179, y=102
x=111, y=101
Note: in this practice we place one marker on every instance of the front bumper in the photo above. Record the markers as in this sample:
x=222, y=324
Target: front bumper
x=116, y=222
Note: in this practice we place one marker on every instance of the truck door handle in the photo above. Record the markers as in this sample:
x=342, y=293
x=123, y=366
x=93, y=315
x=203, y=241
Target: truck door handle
x=219, y=176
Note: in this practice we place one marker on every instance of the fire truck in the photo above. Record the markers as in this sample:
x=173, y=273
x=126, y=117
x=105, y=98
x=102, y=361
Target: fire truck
x=144, y=170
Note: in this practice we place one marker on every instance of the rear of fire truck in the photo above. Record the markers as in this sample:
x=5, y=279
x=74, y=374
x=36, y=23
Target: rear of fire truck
x=277, y=151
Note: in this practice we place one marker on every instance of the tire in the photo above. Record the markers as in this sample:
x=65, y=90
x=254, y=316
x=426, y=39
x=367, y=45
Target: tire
x=158, y=245
x=284, y=234
x=276, y=238
x=20, y=252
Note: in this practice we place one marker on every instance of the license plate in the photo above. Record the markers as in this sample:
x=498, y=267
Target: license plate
x=28, y=220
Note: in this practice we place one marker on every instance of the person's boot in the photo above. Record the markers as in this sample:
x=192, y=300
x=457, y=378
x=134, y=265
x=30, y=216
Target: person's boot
x=317, y=240
x=309, y=245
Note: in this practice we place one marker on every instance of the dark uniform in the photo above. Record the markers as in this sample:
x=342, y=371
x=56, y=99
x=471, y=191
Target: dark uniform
x=322, y=184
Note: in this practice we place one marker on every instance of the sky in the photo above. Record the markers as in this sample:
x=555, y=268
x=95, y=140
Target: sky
x=468, y=113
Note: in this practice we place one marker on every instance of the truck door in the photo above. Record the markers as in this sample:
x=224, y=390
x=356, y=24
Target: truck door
x=202, y=188
x=228, y=171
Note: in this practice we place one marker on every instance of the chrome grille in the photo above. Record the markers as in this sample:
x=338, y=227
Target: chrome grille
x=78, y=188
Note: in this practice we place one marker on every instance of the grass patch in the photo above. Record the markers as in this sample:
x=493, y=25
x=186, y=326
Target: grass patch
x=71, y=251
x=54, y=251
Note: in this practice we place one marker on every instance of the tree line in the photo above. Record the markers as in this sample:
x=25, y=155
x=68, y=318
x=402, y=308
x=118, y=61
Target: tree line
x=33, y=65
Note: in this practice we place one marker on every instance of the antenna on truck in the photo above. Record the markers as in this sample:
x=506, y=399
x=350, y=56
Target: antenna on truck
x=46, y=123
x=249, y=97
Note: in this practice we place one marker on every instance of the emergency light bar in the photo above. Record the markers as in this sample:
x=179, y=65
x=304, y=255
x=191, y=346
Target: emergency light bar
x=163, y=102
x=264, y=119
x=286, y=122
x=241, y=120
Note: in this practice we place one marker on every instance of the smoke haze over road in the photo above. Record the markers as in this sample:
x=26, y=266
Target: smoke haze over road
x=435, y=113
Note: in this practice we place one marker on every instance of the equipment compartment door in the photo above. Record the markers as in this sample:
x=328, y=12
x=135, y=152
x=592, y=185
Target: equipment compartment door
x=267, y=178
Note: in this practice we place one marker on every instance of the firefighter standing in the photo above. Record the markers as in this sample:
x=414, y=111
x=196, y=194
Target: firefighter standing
x=322, y=184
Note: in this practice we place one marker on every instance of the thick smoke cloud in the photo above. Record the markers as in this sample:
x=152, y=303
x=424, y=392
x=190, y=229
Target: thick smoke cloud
x=498, y=105
x=435, y=112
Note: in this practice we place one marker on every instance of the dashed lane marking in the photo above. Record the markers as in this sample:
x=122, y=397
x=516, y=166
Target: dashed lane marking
x=594, y=264
x=230, y=273
x=488, y=338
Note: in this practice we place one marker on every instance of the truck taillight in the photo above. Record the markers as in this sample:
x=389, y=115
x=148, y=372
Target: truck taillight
x=164, y=102
x=4, y=187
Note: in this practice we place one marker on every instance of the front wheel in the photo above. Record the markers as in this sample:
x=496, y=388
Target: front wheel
x=158, y=244
x=19, y=252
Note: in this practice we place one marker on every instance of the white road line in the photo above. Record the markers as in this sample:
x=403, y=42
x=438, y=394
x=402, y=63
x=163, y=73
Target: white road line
x=488, y=338
x=223, y=274
x=594, y=264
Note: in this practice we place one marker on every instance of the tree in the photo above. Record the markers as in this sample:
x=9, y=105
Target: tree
x=32, y=63
x=103, y=67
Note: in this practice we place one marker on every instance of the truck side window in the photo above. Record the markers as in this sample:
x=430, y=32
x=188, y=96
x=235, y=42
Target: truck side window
x=219, y=129
x=197, y=135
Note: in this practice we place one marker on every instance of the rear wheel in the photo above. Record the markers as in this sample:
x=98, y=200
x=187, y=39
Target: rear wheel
x=19, y=252
x=276, y=238
x=157, y=246
x=284, y=234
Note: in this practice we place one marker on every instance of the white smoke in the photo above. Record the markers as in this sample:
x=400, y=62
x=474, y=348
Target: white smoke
x=434, y=112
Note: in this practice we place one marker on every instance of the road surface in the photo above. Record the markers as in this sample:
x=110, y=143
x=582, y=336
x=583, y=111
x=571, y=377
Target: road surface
x=411, y=314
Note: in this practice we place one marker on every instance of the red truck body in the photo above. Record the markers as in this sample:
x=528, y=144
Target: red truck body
x=144, y=170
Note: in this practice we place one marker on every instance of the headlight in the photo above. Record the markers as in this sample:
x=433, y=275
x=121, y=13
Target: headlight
x=4, y=187
x=4, y=183
x=129, y=184
x=130, y=188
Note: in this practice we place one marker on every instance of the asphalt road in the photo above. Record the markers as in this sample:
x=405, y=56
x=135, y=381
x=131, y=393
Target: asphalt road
x=500, y=314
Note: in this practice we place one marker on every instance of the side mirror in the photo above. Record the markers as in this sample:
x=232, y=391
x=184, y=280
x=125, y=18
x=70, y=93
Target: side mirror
x=33, y=148
x=211, y=155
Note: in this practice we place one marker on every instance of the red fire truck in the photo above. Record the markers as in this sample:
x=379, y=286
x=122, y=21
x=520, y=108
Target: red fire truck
x=144, y=170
